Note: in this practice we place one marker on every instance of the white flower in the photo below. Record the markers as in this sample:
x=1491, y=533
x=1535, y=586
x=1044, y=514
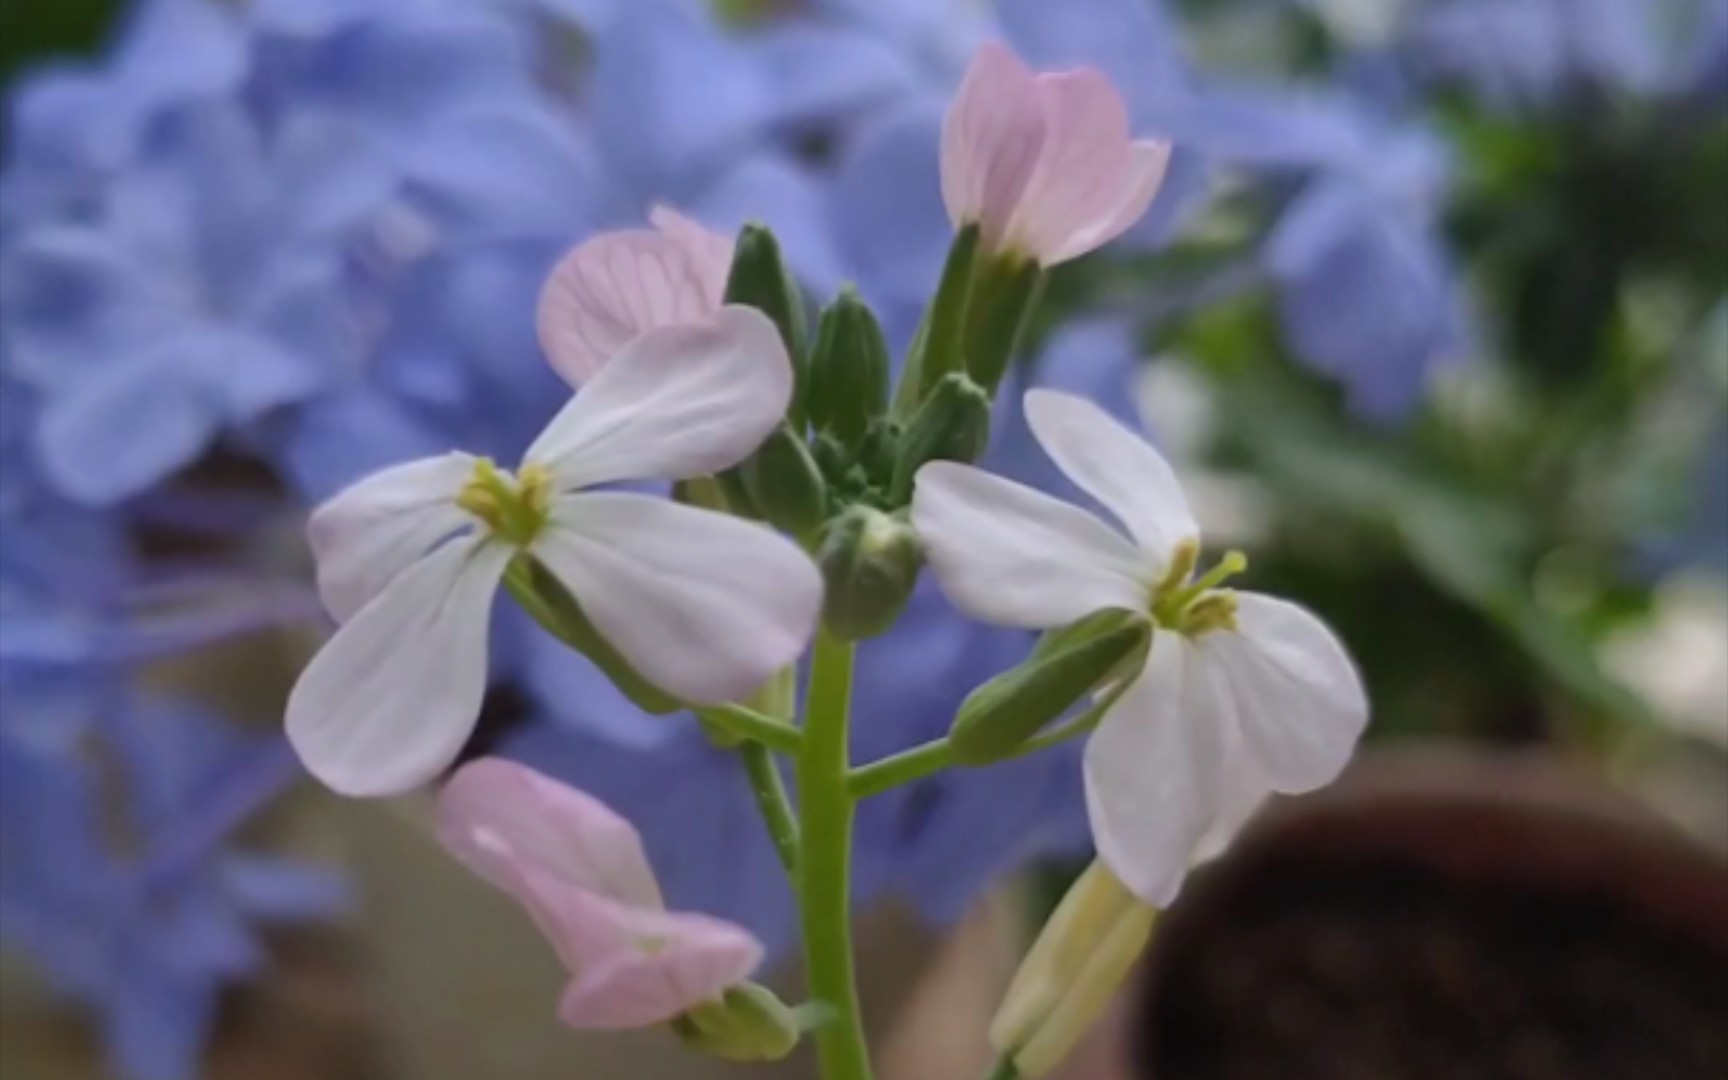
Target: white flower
x=1241, y=695
x=705, y=606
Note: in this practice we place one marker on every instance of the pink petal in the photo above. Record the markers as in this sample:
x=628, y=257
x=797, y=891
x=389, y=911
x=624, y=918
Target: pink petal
x=650, y=966
x=1147, y=162
x=991, y=138
x=506, y=822
x=710, y=253
x=611, y=289
x=1082, y=170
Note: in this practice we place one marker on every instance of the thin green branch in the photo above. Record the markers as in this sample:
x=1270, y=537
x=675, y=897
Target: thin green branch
x=770, y=792
x=752, y=726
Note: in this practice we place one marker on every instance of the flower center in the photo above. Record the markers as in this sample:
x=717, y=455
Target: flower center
x=513, y=507
x=1192, y=607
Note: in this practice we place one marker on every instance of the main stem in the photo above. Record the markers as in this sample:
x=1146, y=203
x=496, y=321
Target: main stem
x=825, y=861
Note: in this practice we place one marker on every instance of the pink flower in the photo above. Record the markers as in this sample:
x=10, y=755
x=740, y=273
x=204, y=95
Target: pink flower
x=579, y=870
x=1043, y=163
x=617, y=285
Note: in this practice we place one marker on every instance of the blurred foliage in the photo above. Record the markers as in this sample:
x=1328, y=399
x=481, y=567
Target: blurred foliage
x=29, y=31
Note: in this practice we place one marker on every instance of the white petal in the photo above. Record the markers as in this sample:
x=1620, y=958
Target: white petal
x=611, y=288
x=710, y=252
x=991, y=137
x=1152, y=773
x=1298, y=702
x=705, y=606
x=375, y=528
x=506, y=821
x=389, y=700
x=679, y=401
x=1006, y=554
x=1083, y=167
x=1116, y=467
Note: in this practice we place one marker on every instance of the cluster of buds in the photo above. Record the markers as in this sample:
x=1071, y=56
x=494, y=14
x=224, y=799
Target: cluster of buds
x=810, y=489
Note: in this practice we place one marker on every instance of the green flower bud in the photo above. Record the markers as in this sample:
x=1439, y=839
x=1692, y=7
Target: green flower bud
x=1074, y=968
x=953, y=424
x=1005, y=294
x=785, y=485
x=879, y=449
x=544, y=597
x=940, y=346
x=759, y=279
x=870, y=562
x=848, y=370
x=1065, y=666
x=748, y=1023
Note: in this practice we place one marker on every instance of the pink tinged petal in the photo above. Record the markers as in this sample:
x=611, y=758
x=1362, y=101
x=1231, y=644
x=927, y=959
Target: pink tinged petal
x=1298, y=702
x=1082, y=172
x=505, y=821
x=374, y=529
x=1153, y=771
x=709, y=252
x=1147, y=163
x=991, y=137
x=389, y=700
x=1116, y=467
x=1006, y=554
x=705, y=606
x=649, y=966
x=611, y=289
x=679, y=401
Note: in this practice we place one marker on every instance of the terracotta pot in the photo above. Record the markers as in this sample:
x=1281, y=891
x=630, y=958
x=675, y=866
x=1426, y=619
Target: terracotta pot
x=1442, y=915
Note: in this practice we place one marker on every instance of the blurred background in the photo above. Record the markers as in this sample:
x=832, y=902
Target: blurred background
x=1432, y=315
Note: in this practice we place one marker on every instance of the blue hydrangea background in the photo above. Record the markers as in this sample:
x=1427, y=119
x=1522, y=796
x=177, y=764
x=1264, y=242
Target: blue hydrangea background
x=256, y=249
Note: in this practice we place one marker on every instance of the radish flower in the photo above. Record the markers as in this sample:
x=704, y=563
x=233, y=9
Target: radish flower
x=1241, y=694
x=617, y=285
x=705, y=606
x=579, y=870
x=1043, y=163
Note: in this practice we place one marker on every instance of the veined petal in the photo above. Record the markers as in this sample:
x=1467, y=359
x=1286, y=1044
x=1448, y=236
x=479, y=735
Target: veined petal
x=1082, y=169
x=1116, y=467
x=1152, y=773
x=1006, y=554
x=389, y=700
x=1147, y=163
x=678, y=401
x=611, y=289
x=374, y=529
x=1298, y=702
x=503, y=821
x=710, y=252
x=991, y=139
x=655, y=965
x=705, y=606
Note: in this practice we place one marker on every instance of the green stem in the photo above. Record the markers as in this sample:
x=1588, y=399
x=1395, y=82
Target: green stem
x=1004, y=1070
x=770, y=792
x=752, y=726
x=824, y=886
x=927, y=759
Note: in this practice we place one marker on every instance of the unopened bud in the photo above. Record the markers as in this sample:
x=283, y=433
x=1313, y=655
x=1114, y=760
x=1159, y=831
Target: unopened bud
x=1074, y=968
x=953, y=424
x=870, y=563
x=878, y=451
x=784, y=484
x=759, y=279
x=1067, y=664
x=544, y=597
x=748, y=1023
x=940, y=347
x=1005, y=293
x=848, y=384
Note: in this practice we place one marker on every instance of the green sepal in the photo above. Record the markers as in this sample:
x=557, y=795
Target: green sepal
x=870, y=563
x=953, y=424
x=848, y=384
x=1003, y=300
x=748, y=1023
x=785, y=484
x=879, y=450
x=544, y=597
x=940, y=347
x=759, y=279
x=1066, y=665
